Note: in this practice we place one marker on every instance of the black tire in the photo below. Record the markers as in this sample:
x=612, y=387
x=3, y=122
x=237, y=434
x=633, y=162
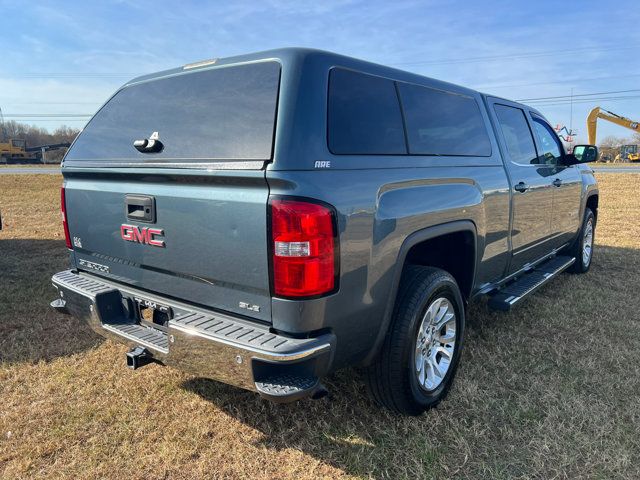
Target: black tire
x=392, y=379
x=576, y=250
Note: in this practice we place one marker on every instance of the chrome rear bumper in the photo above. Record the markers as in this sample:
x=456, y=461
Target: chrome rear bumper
x=209, y=344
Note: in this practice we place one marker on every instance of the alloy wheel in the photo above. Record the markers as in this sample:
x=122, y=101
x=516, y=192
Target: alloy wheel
x=587, y=243
x=435, y=344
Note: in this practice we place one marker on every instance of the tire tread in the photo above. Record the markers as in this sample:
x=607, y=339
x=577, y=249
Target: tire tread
x=386, y=378
x=576, y=248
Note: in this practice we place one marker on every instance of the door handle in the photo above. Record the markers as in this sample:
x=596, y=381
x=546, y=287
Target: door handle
x=521, y=187
x=557, y=182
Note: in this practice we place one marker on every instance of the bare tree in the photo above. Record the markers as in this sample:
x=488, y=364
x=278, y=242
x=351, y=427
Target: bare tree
x=37, y=136
x=610, y=147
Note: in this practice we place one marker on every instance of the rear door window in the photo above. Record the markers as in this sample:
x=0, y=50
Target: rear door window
x=224, y=113
x=443, y=123
x=517, y=135
x=364, y=115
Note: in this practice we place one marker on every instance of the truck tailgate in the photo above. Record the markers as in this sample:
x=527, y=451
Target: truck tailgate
x=191, y=144
x=213, y=247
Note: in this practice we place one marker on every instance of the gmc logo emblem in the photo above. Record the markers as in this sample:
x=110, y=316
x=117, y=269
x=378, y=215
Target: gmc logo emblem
x=145, y=235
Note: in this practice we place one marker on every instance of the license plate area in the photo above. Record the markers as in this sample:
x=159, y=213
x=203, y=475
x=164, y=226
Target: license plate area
x=153, y=314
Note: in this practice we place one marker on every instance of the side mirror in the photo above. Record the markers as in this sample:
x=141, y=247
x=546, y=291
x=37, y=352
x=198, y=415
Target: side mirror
x=583, y=154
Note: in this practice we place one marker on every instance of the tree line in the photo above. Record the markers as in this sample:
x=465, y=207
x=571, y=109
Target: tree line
x=36, y=136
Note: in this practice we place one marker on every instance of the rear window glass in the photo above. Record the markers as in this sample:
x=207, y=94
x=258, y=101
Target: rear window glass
x=443, y=123
x=364, y=115
x=218, y=114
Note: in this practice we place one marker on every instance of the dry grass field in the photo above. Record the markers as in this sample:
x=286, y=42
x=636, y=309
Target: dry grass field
x=613, y=165
x=551, y=390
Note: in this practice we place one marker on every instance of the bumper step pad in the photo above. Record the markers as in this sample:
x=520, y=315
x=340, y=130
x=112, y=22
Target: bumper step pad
x=146, y=336
x=507, y=297
x=279, y=387
x=83, y=285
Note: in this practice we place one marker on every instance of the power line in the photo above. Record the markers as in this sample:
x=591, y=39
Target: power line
x=570, y=80
x=538, y=101
x=596, y=96
x=45, y=115
x=579, y=95
x=586, y=101
x=517, y=56
x=51, y=103
x=70, y=75
x=613, y=99
x=424, y=62
x=24, y=120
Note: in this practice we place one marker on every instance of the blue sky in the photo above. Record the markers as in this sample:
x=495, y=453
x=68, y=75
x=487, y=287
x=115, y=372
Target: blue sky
x=68, y=57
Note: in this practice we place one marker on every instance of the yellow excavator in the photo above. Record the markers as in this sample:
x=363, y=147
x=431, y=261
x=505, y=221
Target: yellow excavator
x=13, y=149
x=597, y=113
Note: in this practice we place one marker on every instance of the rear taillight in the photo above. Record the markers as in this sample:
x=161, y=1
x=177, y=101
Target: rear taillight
x=63, y=211
x=304, y=243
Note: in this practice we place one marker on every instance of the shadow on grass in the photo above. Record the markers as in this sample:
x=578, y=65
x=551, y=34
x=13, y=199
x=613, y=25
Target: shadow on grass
x=345, y=429
x=30, y=330
x=497, y=394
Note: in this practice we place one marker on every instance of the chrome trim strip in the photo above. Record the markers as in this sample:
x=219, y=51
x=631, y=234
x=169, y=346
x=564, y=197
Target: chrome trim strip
x=197, y=163
x=541, y=243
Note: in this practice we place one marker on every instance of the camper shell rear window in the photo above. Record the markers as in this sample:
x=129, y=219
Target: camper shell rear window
x=218, y=114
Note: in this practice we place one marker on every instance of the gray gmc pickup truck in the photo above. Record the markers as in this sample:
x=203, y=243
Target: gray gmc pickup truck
x=264, y=220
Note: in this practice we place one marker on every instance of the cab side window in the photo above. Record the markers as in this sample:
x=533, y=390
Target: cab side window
x=443, y=123
x=550, y=148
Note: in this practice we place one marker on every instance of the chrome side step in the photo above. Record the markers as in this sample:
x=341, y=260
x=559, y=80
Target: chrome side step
x=510, y=295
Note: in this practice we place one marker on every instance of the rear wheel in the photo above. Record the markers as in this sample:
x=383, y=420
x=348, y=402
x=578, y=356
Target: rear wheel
x=582, y=249
x=419, y=358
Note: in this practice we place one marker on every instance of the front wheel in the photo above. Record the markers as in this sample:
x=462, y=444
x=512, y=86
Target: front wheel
x=421, y=352
x=582, y=249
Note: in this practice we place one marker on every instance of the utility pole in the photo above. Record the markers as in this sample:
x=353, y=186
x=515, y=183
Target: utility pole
x=571, y=122
x=3, y=128
x=571, y=113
